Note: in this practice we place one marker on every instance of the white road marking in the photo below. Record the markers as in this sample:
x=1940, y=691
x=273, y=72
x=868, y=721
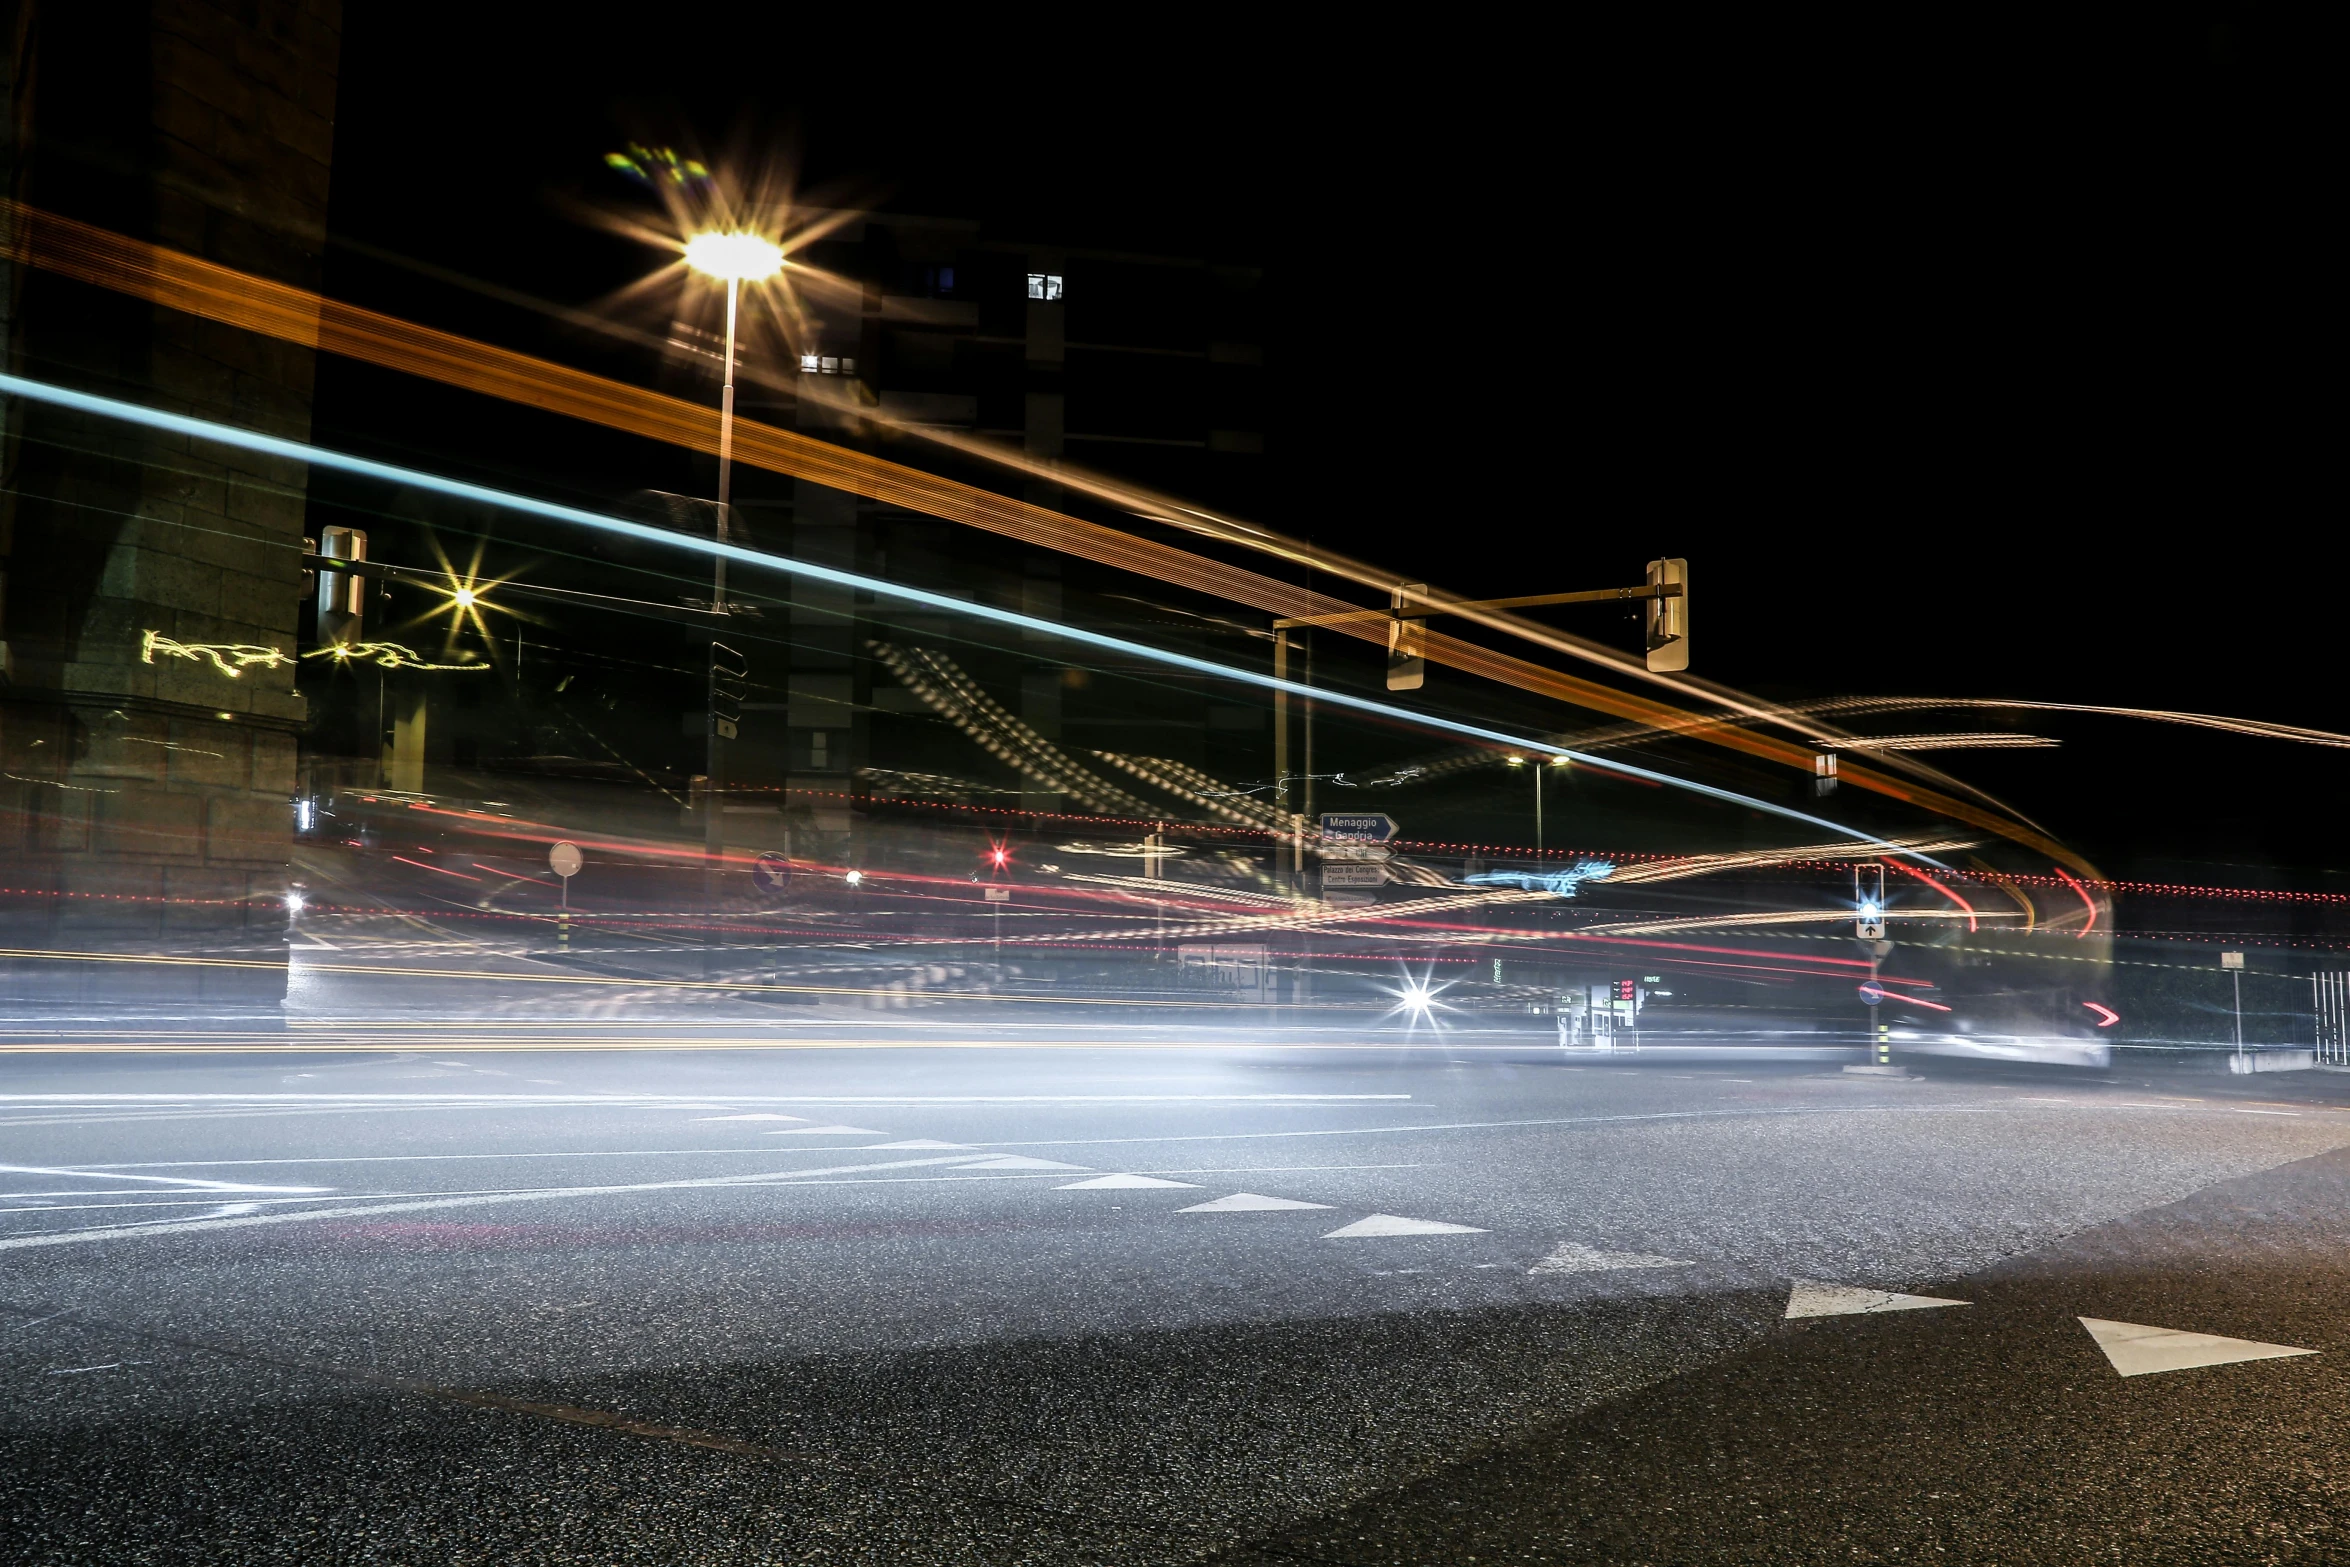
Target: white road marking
x=2244, y=1110
x=1574, y=1257
x=111, y=1365
x=1809, y=1298
x=164, y=1180
x=923, y=1142
x=244, y=1221
x=2135, y=1350
x=828, y=1131
x=1248, y=1202
x=754, y=1115
x=1121, y=1183
x=676, y=1101
x=95, y=1170
x=1013, y=1161
x=1379, y=1224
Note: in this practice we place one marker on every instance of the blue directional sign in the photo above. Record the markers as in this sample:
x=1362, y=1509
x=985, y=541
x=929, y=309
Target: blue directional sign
x=1357, y=826
x=771, y=873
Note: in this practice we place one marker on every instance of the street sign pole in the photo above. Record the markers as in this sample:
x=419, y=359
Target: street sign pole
x=564, y=860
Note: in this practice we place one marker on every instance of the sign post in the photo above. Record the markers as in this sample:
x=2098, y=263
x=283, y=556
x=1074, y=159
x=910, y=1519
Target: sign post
x=564, y=860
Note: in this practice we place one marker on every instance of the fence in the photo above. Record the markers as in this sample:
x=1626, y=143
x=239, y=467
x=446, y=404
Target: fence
x=2329, y=995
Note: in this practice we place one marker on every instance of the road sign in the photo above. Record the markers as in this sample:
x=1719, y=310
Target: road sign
x=1871, y=992
x=999, y=894
x=563, y=859
x=1353, y=874
x=1357, y=826
x=771, y=873
x=2231, y=960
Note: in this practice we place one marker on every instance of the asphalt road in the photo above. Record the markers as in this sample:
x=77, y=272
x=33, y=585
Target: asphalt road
x=868, y=1298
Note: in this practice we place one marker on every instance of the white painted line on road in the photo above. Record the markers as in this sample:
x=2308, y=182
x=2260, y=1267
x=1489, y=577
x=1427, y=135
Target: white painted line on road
x=752, y=1115
x=247, y=1221
x=2135, y=1350
x=164, y=1201
x=166, y=1180
x=111, y=1365
x=1482, y=1126
x=828, y=1131
x=1381, y=1224
x=923, y=1142
x=2243, y=1110
x=1013, y=1161
x=1809, y=1298
x=1574, y=1257
x=1292, y=1169
x=1249, y=1202
x=1121, y=1183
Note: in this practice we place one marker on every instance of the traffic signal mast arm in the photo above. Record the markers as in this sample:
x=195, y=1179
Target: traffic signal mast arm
x=1419, y=609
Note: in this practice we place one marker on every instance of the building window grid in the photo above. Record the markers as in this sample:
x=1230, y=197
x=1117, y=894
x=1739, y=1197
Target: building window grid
x=1045, y=286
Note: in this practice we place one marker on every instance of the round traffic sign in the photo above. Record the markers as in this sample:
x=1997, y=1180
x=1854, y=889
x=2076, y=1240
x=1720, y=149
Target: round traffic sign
x=771, y=873
x=1872, y=993
x=563, y=859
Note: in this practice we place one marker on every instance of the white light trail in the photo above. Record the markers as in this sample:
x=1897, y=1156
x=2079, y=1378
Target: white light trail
x=344, y=462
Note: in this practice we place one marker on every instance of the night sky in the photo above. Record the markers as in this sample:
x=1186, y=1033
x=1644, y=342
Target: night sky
x=1970, y=364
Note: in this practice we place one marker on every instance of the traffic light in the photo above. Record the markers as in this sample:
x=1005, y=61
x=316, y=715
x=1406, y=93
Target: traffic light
x=1668, y=617
x=1868, y=897
x=729, y=671
x=1407, y=640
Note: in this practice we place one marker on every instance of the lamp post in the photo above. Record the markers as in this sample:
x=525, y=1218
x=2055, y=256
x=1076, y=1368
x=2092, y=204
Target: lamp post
x=735, y=258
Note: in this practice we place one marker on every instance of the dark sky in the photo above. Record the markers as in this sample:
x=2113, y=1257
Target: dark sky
x=1981, y=363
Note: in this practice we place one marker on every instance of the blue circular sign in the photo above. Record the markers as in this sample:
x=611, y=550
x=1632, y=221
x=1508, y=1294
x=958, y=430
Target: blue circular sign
x=771, y=873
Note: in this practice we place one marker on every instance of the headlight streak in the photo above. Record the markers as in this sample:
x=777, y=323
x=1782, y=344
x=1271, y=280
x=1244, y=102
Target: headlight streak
x=204, y=429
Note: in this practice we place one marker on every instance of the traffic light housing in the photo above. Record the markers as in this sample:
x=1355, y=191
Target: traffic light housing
x=1668, y=616
x=1407, y=640
x=729, y=676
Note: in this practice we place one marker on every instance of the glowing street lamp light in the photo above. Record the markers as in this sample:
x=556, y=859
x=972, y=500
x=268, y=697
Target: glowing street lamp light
x=734, y=258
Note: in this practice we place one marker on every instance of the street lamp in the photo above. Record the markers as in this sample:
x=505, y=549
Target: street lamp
x=735, y=258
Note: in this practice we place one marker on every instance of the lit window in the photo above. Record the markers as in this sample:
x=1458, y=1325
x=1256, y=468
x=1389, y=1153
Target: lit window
x=831, y=365
x=848, y=366
x=1044, y=285
x=810, y=364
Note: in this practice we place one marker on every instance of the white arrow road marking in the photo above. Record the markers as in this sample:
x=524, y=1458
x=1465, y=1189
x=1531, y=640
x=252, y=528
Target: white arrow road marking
x=2136, y=1350
x=1808, y=1298
x=1389, y=1224
x=1248, y=1202
x=921, y=1142
x=756, y=1115
x=1017, y=1161
x=311, y=1216
x=1120, y=1183
x=164, y=1180
x=829, y=1131
x=1574, y=1257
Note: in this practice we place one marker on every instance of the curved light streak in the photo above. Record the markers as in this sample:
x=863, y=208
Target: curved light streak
x=298, y=451
x=2091, y=924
